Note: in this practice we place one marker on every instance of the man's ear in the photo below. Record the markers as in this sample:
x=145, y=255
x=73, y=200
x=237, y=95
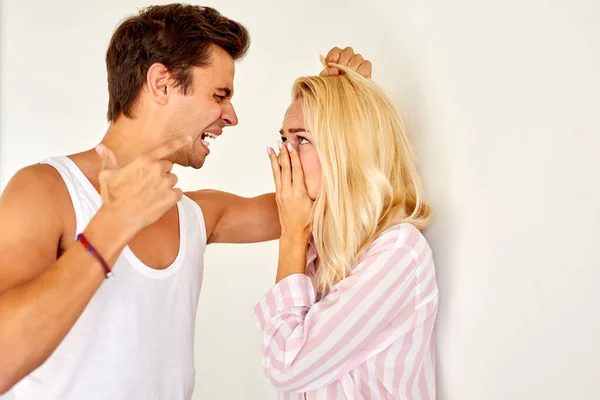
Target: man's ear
x=158, y=81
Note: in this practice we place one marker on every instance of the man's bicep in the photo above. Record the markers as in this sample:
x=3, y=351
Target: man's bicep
x=249, y=220
x=31, y=227
x=235, y=219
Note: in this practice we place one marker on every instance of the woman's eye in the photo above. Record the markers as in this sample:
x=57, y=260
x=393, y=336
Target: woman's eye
x=283, y=139
x=302, y=140
x=220, y=98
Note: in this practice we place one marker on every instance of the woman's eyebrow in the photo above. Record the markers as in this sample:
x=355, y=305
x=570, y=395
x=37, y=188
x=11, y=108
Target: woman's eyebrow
x=293, y=130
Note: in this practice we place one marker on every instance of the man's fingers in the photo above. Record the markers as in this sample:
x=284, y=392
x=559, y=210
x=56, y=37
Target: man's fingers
x=171, y=179
x=107, y=157
x=275, y=168
x=177, y=194
x=169, y=148
x=166, y=166
x=104, y=174
x=105, y=160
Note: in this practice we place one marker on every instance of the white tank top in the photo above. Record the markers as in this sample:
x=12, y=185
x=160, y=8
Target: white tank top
x=135, y=338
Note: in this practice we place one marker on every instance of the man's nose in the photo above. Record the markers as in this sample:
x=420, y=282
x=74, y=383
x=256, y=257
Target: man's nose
x=228, y=115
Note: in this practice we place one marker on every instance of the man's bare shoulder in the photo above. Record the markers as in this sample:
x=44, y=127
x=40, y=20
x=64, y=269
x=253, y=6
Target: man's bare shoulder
x=33, y=216
x=44, y=174
x=199, y=195
x=212, y=203
x=37, y=183
x=37, y=194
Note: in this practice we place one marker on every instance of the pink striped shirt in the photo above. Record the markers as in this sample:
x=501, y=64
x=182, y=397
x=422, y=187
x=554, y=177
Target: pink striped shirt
x=371, y=337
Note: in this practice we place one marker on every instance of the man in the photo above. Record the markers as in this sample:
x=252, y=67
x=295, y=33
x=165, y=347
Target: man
x=67, y=332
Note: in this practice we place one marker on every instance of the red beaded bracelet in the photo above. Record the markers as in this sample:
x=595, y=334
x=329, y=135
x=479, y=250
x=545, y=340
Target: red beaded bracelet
x=88, y=246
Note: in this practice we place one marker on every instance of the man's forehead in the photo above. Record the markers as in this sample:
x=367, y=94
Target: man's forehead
x=221, y=63
x=220, y=71
x=215, y=81
x=221, y=75
x=214, y=73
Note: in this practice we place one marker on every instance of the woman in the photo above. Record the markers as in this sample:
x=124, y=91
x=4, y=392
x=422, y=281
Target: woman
x=352, y=313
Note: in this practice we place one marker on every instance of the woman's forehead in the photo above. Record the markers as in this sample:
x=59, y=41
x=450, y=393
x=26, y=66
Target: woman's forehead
x=293, y=118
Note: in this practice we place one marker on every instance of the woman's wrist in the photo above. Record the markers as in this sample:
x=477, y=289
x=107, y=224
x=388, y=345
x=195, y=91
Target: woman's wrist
x=292, y=254
x=297, y=236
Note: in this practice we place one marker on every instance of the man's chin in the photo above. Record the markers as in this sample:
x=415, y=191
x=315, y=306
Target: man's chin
x=198, y=155
x=196, y=163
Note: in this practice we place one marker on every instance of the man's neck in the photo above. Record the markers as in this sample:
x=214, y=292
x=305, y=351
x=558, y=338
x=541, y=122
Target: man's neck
x=129, y=138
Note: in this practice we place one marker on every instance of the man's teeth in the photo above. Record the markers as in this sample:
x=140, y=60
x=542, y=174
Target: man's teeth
x=206, y=136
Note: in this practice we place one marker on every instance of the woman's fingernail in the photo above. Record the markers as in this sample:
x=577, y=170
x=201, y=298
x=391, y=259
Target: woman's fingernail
x=289, y=146
x=269, y=151
x=280, y=144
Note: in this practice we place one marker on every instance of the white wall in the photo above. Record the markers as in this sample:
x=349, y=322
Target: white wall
x=502, y=98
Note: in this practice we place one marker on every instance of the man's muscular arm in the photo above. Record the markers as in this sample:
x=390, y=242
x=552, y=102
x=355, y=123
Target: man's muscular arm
x=42, y=297
x=235, y=219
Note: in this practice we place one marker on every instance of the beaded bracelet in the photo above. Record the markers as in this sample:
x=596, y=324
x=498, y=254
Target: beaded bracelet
x=88, y=246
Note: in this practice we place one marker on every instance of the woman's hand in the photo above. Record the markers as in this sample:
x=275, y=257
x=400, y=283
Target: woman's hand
x=294, y=204
x=347, y=58
x=295, y=211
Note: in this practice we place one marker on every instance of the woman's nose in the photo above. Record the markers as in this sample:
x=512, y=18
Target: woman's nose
x=294, y=142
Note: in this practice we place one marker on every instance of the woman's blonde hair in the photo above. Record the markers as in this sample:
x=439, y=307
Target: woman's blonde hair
x=369, y=175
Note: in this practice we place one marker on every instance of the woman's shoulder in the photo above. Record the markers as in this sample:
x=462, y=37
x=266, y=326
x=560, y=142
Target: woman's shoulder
x=401, y=237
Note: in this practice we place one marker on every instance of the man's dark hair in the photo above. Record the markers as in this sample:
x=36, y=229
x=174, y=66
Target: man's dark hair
x=177, y=35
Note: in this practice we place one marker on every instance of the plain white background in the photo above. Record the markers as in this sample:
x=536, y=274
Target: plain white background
x=502, y=99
